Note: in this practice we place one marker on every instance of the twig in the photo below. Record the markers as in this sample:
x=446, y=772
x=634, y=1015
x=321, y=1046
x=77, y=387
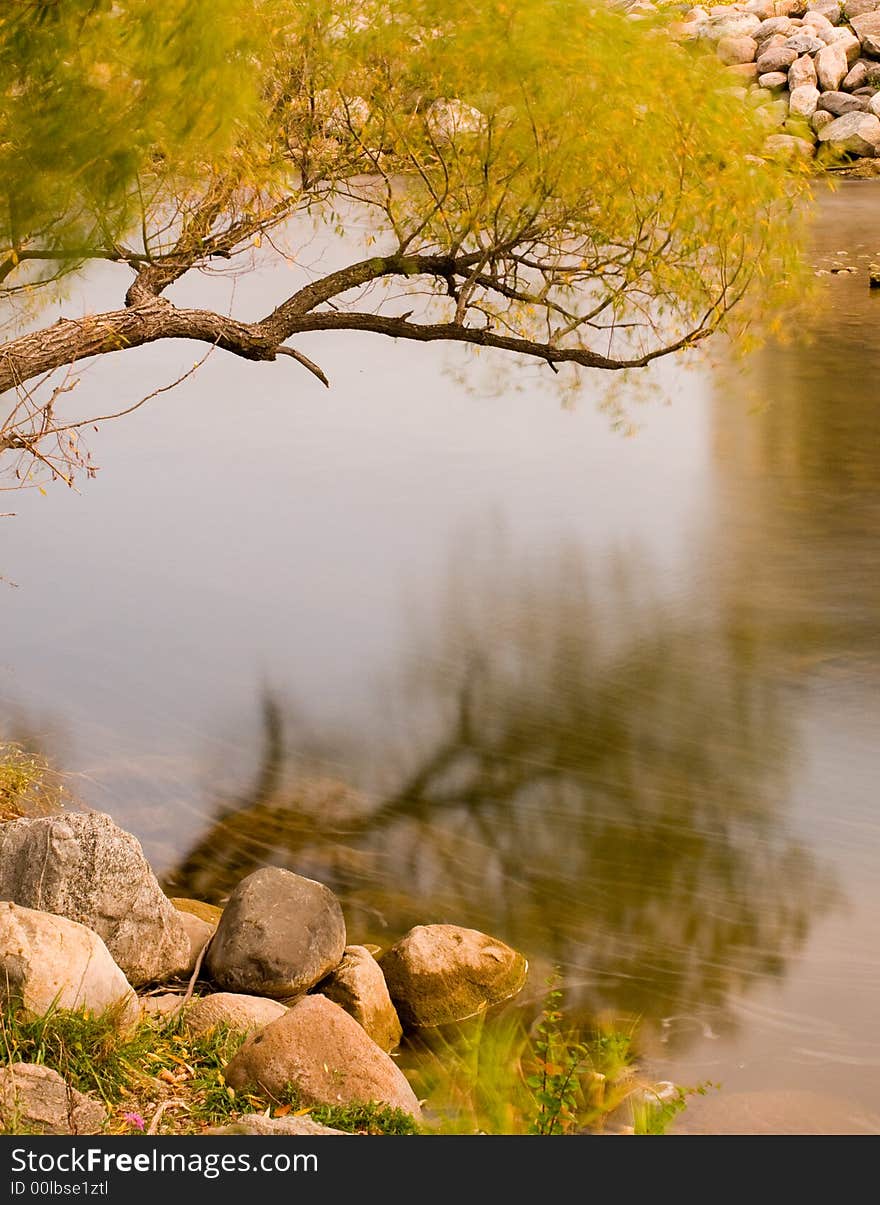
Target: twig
x=187, y=996
x=305, y=361
x=153, y=1127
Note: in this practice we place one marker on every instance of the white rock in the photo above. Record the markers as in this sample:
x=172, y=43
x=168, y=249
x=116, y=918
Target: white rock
x=821, y=25
x=48, y=960
x=773, y=80
x=448, y=119
x=784, y=146
x=847, y=39
x=802, y=101
x=820, y=119
x=831, y=67
x=802, y=72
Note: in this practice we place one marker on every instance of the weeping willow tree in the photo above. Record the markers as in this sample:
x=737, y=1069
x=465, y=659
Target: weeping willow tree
x=541, y=177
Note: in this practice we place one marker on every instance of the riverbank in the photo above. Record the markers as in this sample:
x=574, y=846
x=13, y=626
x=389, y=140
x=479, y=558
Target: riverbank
x=809, y=68
x=126, y=1012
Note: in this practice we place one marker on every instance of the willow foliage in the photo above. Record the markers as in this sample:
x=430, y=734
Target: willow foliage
x=560, y=180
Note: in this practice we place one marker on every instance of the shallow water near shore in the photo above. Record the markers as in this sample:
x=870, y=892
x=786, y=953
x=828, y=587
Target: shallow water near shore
x=466, y=654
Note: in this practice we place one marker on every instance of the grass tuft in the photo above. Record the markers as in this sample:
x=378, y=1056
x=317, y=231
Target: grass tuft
x=28, y=786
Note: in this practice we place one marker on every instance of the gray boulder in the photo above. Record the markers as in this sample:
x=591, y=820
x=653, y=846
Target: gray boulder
x=839, y=103
x=321, y=1052
x=853, y=134
x=804, y=42
x=279, y=935
x=358, y=986
x=35, y=1099
x=437, y=974
x=48, y=960
x=779, y=58
x=84, y=867
x=240, y=1014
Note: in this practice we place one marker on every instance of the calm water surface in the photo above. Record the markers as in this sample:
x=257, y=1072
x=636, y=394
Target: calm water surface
x=468, y=654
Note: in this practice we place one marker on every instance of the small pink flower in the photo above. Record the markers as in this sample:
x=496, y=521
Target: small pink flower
x=134, y=1119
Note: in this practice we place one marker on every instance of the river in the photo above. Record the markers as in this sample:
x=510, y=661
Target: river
x=470, y=651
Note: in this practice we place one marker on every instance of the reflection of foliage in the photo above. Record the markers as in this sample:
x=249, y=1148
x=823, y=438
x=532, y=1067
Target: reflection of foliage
x=602, y=789
x=797, y=442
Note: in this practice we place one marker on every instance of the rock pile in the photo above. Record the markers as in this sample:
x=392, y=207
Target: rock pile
x=83, y=922
x=812, y=66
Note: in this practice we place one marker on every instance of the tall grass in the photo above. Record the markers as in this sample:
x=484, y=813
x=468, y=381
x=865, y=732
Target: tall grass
x=28, y=785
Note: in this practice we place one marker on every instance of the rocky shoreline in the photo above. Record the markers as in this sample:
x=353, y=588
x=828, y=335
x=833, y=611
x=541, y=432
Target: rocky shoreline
x=810, y=68
x=84, y=925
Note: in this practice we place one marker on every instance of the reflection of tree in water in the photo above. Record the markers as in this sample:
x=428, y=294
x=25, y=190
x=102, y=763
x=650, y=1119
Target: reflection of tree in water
x=599, y=785
x=797, y=452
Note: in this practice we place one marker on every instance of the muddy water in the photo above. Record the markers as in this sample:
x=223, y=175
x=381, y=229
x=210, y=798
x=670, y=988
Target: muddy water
x=469, y=654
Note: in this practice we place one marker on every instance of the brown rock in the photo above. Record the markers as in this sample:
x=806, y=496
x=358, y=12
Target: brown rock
x=743, y=71
x=325, y=1056
x=358, y=986
x=199, y=933
x=779, y=58
x=241, y=1014
x=442, y=973
x=857, y=8
x=737, y=49
x=773, y=81
x=802, y=73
